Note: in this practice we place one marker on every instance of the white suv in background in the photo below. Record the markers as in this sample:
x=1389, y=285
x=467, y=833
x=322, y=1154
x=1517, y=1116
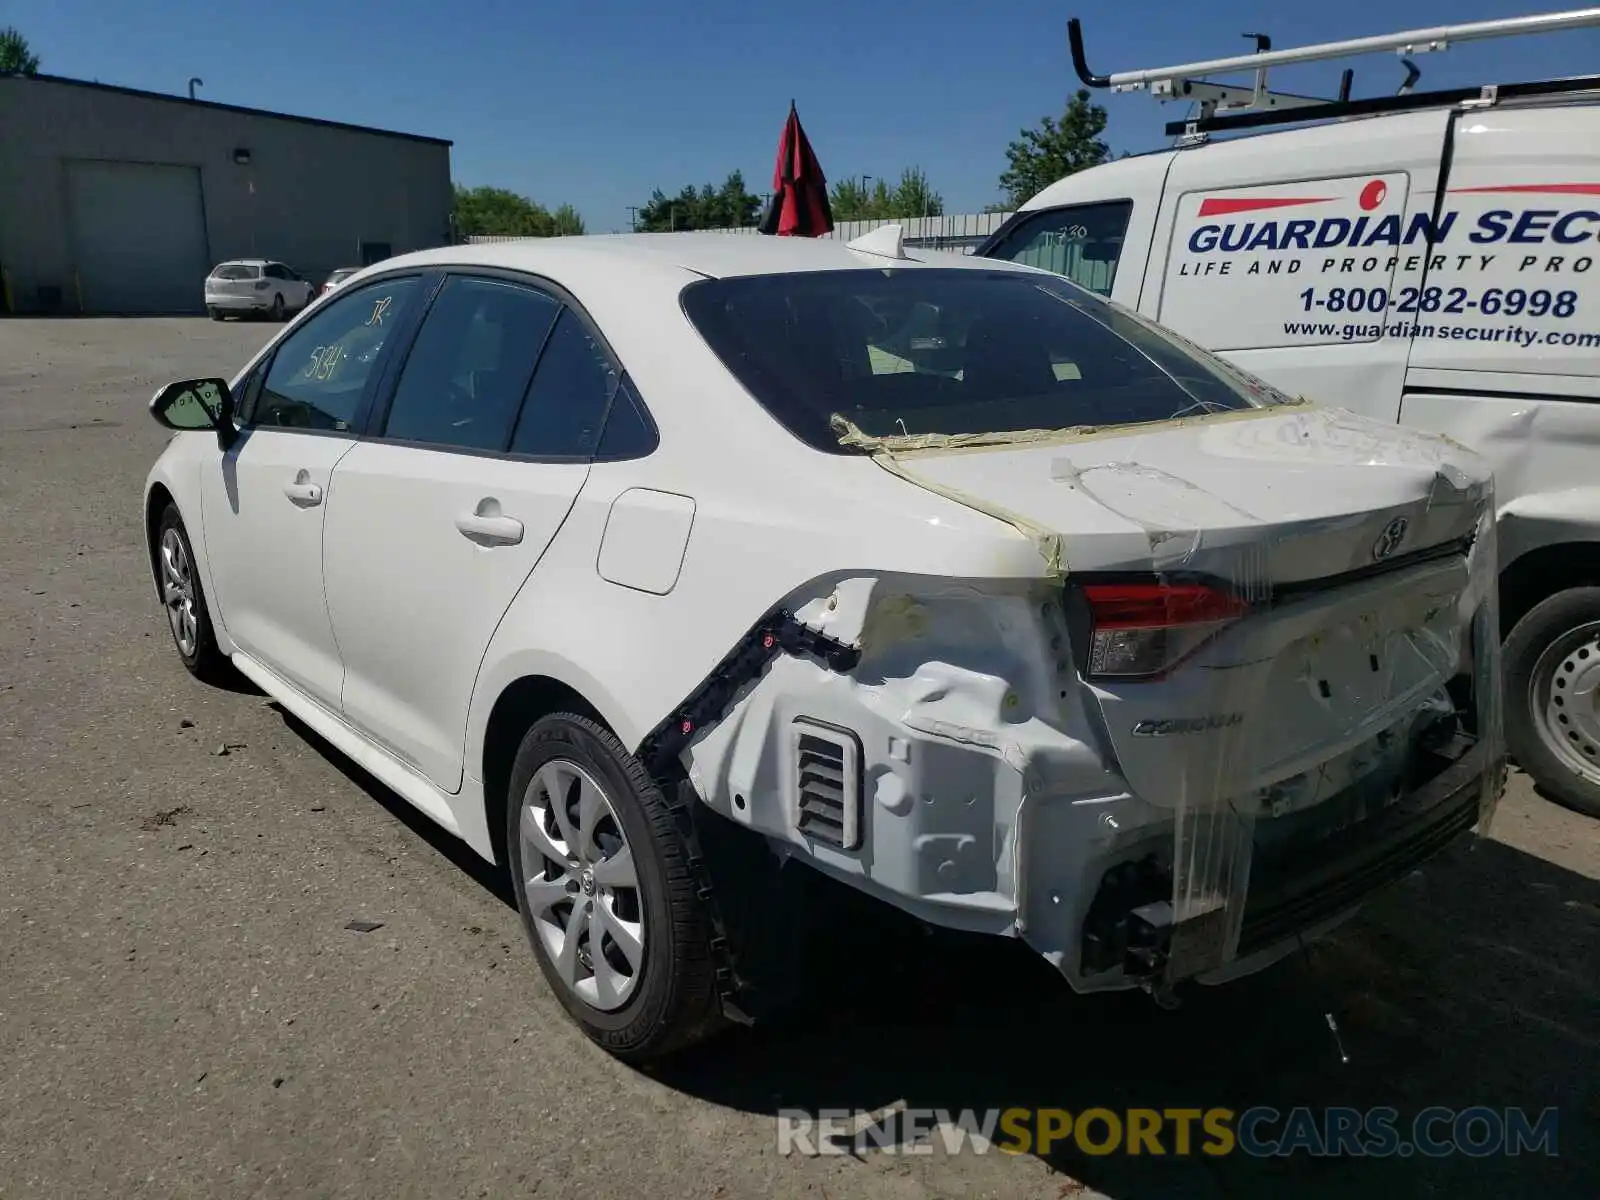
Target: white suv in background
x=255, y=285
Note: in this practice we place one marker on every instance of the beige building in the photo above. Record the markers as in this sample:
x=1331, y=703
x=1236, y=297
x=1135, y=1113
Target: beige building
x=120, y=201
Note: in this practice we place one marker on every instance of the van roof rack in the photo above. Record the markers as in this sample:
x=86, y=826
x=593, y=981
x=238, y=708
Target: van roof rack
x=1226, y=106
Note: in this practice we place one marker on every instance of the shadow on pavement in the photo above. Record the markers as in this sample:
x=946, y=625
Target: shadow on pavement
x=1474, y=982
x=489, y=877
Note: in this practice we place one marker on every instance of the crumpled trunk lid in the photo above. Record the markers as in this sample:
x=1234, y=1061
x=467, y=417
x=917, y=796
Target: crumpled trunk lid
x=1312, y=489
x=1348, y=538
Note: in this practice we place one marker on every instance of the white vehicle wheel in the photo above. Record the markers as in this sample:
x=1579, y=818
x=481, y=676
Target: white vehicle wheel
x=184, y=600
x=605, y=892
x=1552, y=673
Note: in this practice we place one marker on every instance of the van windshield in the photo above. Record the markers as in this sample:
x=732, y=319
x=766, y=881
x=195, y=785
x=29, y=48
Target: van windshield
x=956, y=352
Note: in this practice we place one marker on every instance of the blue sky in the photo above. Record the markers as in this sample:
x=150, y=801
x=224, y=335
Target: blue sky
x=597, y=103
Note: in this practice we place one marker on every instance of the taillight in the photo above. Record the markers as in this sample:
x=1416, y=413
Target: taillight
x=1144, y=630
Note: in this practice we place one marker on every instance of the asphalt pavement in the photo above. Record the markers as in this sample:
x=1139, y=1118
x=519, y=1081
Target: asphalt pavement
x=184, y=1010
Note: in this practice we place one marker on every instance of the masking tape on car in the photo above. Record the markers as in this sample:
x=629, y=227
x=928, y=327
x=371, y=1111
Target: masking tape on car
x=1047, y=541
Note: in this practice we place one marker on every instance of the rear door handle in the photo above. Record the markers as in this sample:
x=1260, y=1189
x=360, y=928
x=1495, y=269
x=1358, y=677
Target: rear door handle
x=302, y=490
x=490, y=528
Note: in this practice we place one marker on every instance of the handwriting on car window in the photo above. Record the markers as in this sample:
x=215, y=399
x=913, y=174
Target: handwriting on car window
x=380, y=309
x=324, y=362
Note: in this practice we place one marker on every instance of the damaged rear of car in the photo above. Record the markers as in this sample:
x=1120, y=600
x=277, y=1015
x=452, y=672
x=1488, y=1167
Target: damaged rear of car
x=1255, y=679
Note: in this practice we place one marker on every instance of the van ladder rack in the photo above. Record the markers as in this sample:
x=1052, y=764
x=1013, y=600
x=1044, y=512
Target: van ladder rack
x=1224, y=107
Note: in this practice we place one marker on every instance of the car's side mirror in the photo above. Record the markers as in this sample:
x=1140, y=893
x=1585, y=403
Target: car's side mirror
x=194, y=404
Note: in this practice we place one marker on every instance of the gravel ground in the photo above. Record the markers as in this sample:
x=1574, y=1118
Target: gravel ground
x=184, y=1013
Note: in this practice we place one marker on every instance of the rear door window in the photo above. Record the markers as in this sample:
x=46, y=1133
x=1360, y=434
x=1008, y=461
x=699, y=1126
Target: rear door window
x=467, y=370
x=1082, y=242
x=571, y=393
x=629, y=431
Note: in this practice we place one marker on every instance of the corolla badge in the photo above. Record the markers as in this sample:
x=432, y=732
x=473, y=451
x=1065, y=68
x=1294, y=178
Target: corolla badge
x=1389, y=540
x=1178, y=726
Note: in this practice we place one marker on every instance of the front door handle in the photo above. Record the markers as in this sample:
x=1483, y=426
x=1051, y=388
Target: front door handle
x=302, y=491
x=488, y=526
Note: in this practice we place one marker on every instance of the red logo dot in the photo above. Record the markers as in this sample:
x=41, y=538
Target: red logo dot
x=1372, y=195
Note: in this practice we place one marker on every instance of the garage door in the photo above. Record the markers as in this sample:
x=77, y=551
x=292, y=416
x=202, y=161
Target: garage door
x=139, y=236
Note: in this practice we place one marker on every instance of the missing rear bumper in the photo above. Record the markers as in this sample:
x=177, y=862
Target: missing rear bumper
x=1296, y=885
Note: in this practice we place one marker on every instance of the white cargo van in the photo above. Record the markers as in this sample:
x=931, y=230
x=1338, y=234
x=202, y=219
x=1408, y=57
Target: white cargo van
x=1427, y=258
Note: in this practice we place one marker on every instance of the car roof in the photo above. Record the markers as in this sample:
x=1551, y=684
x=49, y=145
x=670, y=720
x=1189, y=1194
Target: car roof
x=712, y=255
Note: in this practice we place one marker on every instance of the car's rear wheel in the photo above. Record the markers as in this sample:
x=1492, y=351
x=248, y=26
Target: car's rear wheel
x=1552, y=673
x=602, y=880
x=184, y=599
x=276, y=311
x=214, y=313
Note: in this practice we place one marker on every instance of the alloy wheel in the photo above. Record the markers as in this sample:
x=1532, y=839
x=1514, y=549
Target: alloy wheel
x=581, y=885
x=178, y=592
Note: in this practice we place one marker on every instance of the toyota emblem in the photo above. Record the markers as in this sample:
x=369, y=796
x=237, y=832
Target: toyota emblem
x=1389, y=540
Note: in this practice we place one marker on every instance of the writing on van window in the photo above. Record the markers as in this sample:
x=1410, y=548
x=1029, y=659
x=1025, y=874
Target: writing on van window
x=1082, y=242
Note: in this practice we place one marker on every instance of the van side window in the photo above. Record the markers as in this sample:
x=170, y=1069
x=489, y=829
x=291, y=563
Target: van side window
x=1082, y=242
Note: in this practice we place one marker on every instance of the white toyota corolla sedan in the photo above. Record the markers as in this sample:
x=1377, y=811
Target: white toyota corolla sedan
x=648, y=565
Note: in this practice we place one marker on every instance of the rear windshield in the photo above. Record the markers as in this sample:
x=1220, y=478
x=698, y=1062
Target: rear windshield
x=235, y=271
x=952, y=351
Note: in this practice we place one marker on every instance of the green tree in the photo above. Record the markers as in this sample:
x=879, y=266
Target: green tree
x=912, y=196
x=1055, y=149
x=497, y=211
x=566, y=222
x=15, y=56
x=705, y=207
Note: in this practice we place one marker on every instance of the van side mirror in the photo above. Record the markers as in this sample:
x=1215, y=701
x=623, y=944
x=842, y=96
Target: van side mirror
x=194, y=404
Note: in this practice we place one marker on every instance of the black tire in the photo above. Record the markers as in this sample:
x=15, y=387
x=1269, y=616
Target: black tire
x=214, y=313
x=1554, y=628
x=674, y=1002
x=277, y=310
x=204, y=660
